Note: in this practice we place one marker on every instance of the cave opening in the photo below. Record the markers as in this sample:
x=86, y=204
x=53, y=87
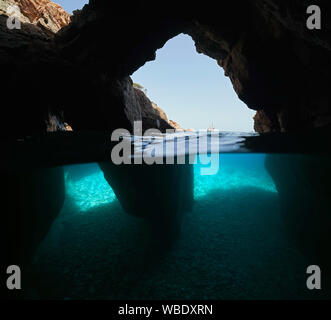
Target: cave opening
x=192, y=89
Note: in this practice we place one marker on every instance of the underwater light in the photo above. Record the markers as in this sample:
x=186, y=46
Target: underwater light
x=90, y=191
x=235, y=171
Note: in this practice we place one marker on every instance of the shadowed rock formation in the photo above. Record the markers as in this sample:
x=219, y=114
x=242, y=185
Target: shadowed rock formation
x=303, y=184
x=276, y=64
x=159, y=193
x=31, y=200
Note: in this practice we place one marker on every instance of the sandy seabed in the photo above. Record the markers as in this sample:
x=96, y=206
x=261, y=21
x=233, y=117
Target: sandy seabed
x=232, y=246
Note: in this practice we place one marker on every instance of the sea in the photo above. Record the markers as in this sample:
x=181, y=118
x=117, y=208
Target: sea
x=250, y=218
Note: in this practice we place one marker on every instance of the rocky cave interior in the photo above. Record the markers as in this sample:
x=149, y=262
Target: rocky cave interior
x=59, y=69
x=89, y=61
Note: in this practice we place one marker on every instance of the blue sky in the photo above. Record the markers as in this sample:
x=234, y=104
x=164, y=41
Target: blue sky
x=190, y=87
x=70, y=5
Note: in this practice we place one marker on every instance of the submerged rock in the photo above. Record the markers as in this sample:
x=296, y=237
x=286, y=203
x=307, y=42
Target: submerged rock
x=158, y=193
x=303, y=184
x=31, y=200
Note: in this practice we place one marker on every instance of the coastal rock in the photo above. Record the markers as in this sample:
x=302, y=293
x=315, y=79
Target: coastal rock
x=175, y=125
x=47, y=15
x=137, y=106
x=152, y=116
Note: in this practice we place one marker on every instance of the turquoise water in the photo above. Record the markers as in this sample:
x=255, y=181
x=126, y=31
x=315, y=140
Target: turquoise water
x=89, y=191
x=92, y=190
x=232, y=243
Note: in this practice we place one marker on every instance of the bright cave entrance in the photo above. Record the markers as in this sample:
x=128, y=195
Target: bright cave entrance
x=189, y=87
x=192, y=89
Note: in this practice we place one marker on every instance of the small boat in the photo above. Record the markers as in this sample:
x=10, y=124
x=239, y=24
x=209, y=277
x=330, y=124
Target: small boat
x=212, y=128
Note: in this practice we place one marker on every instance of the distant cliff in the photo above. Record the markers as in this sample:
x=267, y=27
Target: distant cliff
x=176, y=125
x=152, y=115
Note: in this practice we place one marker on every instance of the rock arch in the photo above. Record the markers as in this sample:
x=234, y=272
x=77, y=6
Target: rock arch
x=276, y=64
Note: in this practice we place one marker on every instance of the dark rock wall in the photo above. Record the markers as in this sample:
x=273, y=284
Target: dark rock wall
x=158, y=193
x=277, y=66
x=31, y=199
x=303, y=185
